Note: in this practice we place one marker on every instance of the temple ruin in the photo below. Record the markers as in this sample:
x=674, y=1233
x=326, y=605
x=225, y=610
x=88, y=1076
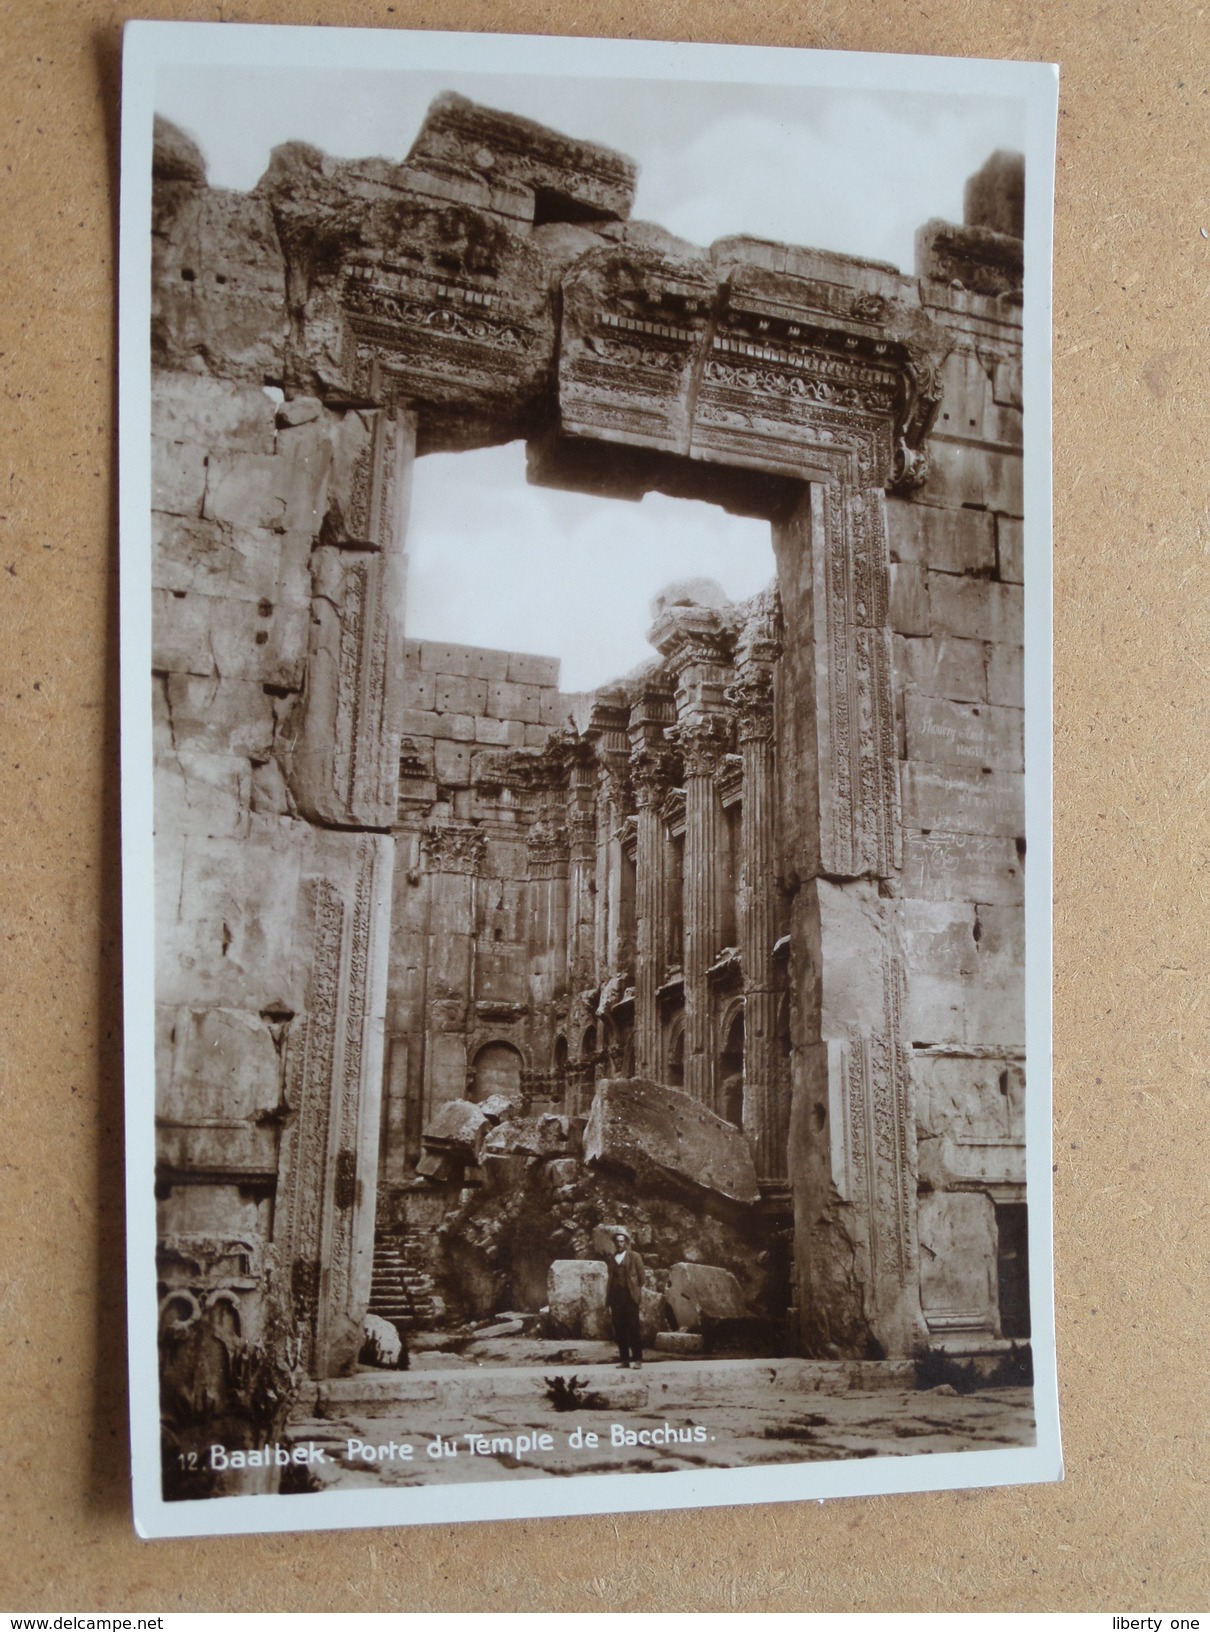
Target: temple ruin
x=425, y=921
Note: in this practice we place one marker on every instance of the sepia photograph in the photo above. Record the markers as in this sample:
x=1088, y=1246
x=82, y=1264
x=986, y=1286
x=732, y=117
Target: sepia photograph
x=586, y=713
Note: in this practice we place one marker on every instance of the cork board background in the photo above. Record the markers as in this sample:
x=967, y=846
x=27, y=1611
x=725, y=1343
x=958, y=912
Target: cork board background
x=1128, y=1530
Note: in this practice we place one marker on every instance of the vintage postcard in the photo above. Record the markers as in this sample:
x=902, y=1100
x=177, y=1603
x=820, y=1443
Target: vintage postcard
x=586, y=711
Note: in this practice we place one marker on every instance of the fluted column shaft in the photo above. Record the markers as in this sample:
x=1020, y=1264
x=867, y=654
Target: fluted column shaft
x=762, y=1108
x=650, y=891
x=703, y=832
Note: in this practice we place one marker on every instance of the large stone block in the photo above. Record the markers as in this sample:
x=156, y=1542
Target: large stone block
x=281, y=491
x=909, y=600
x=507, y=701
x=961, y=475
x=479, y=662
x=655, y=1132
x=958, y=541
x=977, y=609
x=214, y=714
x=941, y=732
x=958, y=1285
x=569, y=180
x=575, y=1297
x=459, y=694
x=954, y=799
x=453, y=764
x=702, y=1297
x=224, y=1066
x=943, y=667
x=213, y=414
x=203, y=793
x=458, y=1129
x=208, y=558
x=968, y=1100
x=944, y=866
x=1006, y=676
x=527, y=669
x=1010, y=549
x=178, y=477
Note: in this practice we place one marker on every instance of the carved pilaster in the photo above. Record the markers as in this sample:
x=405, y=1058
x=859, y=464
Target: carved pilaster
x=859, y=780
x=343, y=764
x=324, y=1228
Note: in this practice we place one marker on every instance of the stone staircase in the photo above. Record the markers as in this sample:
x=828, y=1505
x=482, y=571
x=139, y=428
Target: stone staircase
x=400, y=1290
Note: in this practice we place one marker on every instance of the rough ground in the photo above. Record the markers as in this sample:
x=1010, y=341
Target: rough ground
x=749, y=1412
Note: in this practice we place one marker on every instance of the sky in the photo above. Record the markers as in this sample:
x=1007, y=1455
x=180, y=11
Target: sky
x=494, y=562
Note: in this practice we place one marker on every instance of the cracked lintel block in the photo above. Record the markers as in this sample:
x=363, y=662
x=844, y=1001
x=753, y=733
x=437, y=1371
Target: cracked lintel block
x=943, y=732
x=942, y=666
x=1006, y=676
x=955, y=799
x=977, y=609
x=941, y=866
x=947, y=540
x=1010, y=549
x=212, y=414
x=203, y=793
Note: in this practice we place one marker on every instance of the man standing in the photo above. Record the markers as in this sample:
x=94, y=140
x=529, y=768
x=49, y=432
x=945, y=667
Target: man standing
x=624, y=1297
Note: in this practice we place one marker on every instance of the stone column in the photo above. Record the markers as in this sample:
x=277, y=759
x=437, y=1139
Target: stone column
x=649, y=774
x=766, y=1121
x=703, y=746
x=582, y=850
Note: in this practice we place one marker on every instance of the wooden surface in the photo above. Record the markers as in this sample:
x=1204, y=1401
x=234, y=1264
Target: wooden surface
x=1128, y=1528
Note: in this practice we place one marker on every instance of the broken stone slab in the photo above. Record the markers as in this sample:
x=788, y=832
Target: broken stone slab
x=575, y=1296
x=651, y=1131
x=680, y=1342
x=528, y=1136
x=562, y=1171
x=500, y=1328
x=381, y=1344
x=439, y=1169
x=499, y=1108
x=504, y=1174
x=701, y=1297
x=458, y=1129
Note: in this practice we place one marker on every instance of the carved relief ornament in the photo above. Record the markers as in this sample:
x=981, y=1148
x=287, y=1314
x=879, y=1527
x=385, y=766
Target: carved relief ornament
x=454, y=849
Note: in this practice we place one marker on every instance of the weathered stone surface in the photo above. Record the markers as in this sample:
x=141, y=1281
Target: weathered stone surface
x=958, y=1264
x=458, y=1129
x=642, y=1127
x=994, y=196
x=175, y=156
x=944, y=666
x=975, y=258
x=958, y=541
x=498, y=1107
x=544, y=1136
x=680, y=1342
x=701, y=1297
x=951, y=733
x=1010, y=549
x=576, y=1298
x=948, y=866
x=955, y=799
x=381, y=1343
x=569, y=180
x=218, y=279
